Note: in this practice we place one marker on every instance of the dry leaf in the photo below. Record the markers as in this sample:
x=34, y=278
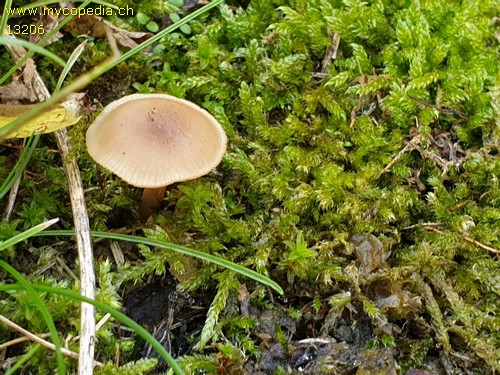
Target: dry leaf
x=48, y=21
x=16, y=90
x=87, y=25
x=128, y=39
x=95, y=26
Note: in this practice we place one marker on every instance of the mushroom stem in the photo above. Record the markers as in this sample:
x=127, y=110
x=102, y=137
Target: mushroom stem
x=151, y=199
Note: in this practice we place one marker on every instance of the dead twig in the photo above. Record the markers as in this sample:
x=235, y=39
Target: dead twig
x=331, y=52
x=444, y=146
x=12, y=199
x=19, y=340
x=422, y=225
x=468, y=239
x=438, y=160
x=409, y=146
x=41, y=341
x=445, y=111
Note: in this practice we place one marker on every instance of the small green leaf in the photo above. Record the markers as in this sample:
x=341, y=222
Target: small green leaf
x=186, y=29
x=174, y=17
x=177, y=3
x=152, y=26
x=142, y=18
x=159, y=49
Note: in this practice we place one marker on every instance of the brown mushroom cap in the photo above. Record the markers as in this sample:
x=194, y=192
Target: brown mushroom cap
x=154, y=140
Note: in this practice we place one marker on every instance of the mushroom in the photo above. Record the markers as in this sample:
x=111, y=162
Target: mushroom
x=154, y=140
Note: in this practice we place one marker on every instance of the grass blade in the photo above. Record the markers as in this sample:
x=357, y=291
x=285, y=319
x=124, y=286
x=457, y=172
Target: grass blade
x=33, y=47
x=20, y=166
x=35, y=298
x=5, y=16
x=26, y=234
x=69, y=64
x=114, y=313
x=41, y=43
x=180, y=249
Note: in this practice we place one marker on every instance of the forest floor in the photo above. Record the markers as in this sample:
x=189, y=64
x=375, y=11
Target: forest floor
x=361, y=175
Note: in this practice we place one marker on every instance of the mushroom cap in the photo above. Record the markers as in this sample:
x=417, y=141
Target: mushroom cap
x=154, y=140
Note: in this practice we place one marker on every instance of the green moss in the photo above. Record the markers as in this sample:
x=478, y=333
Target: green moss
x=307, y=154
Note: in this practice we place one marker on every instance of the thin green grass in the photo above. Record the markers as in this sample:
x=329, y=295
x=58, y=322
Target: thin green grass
x=33, y=47
x=24, y=359
x=69, y=64
x=34, y=297
x=114, y=313
x=3, y=20
x=20, y=165
x=179, y=249
x=26, y=234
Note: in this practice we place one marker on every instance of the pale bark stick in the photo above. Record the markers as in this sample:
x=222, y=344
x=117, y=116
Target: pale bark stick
x=82, y=229
x=12, y=199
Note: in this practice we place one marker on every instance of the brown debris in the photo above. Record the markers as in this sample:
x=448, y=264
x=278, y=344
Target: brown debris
x=244, y=300
x=369, y=251
x=49, y=22
x=95, y=26
x=331, y=52
x=15, y=91
x=392, y=300
x=18, y=91
x=437, y=147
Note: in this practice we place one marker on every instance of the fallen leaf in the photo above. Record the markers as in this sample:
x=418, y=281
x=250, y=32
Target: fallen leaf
x=95, y=26
x=47, y=22
x=64, y=114
x=20, y=91
x=127, y=38
x=14, y=91
x=87, y=25
x=392, y=299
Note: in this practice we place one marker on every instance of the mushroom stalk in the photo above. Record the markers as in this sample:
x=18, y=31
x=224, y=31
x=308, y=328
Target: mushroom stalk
x=151, y=199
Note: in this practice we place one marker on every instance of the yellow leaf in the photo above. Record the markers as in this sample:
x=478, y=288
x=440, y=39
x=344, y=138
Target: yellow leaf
x=64, y=114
